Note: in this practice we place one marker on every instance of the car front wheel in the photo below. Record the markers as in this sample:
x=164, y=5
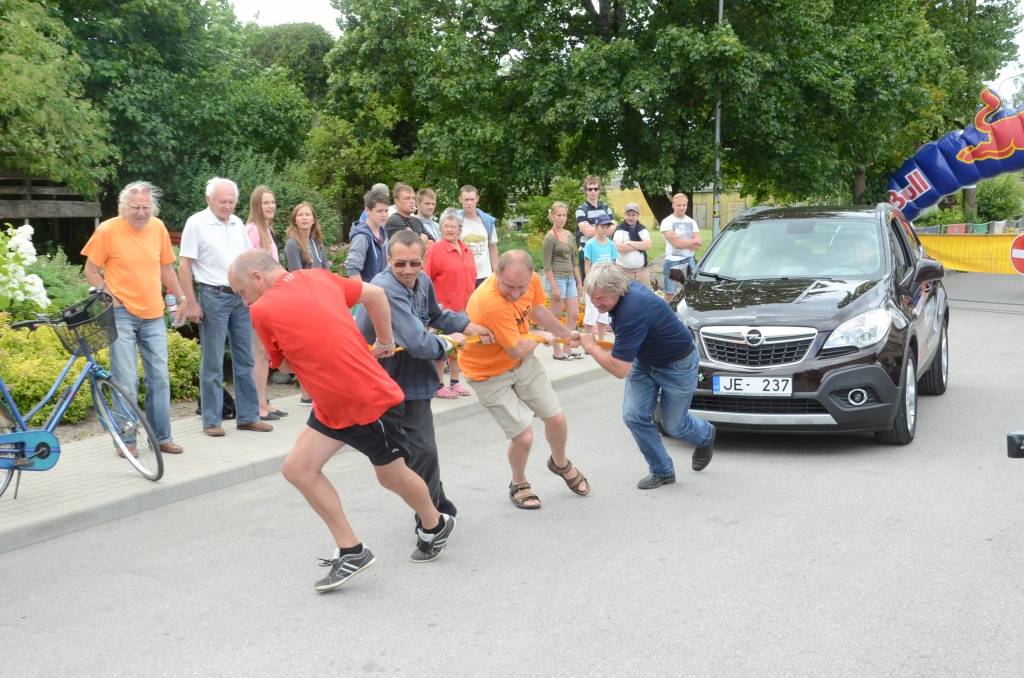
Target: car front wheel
x=936, y=379
x=905, y=424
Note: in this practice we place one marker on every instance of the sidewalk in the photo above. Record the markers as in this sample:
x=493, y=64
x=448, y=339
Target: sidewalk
x=90, y=485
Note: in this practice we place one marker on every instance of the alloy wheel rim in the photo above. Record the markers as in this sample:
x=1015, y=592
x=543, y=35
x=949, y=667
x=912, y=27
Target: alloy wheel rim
x=910, y=398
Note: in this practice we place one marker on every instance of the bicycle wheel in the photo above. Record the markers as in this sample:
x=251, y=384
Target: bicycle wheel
x=6, y=426
x=128, y=427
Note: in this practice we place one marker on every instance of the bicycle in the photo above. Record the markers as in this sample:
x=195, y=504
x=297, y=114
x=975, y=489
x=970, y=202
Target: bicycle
x=83, y=328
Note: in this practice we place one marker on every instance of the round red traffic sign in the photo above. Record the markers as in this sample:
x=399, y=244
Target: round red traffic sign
x=1017, y=253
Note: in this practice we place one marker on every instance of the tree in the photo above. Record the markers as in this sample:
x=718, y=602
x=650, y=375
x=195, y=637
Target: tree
x=181, y=93
x=817, y=95
x=46, y=128
x=297, y=48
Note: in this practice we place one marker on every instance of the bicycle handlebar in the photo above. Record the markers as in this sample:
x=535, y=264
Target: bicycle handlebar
x=30, y=324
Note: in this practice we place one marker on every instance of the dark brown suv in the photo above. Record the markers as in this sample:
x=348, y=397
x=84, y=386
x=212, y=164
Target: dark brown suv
x=817, y=319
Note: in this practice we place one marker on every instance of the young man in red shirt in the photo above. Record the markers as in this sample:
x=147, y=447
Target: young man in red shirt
x=304, y=321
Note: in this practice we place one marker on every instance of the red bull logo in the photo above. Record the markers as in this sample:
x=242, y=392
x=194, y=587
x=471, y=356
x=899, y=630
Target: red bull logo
x=917, y=185
x=1004, y=136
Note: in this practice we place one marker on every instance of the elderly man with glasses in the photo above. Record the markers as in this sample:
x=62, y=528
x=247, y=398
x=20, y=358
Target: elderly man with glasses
x=130, y=256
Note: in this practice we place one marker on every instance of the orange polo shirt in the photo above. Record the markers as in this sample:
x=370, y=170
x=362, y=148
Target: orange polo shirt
x=508, y=320
x=131, y=259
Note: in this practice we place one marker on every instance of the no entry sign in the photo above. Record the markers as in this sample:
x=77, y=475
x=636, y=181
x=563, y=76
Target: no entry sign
x=1017, y=253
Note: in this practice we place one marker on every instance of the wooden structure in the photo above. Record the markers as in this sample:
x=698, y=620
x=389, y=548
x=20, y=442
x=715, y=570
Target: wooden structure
x=32, y=199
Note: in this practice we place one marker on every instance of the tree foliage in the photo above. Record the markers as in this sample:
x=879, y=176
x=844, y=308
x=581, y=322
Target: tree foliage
x=46, y=128
x=299, y=49
x=507, y=95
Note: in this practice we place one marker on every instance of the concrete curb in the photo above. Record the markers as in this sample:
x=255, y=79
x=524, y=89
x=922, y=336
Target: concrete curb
x=31, y=526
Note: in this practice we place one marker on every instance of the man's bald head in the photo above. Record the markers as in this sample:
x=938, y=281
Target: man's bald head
x=514, y=259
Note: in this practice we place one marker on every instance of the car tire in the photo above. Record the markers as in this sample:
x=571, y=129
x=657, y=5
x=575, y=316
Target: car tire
x=936, y=379
x=904, y=426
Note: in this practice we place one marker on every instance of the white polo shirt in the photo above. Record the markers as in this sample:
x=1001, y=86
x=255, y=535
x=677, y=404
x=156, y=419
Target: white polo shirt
x=212, y=245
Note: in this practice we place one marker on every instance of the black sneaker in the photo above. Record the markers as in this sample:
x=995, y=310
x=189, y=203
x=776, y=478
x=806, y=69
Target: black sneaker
x=654, y=480
x=429, y=546
x=343, y=569
x=702, y=455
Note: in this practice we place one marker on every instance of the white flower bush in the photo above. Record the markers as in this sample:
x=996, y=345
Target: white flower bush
x=19, y=291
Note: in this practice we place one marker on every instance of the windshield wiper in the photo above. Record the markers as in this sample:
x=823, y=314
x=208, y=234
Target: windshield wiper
x=716, y=276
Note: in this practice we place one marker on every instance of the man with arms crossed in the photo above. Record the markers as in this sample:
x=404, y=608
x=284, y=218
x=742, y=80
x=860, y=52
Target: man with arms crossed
x=682, y=238
x=509, y=380
x=304, y=321
x=632, y=241
x=654, y=352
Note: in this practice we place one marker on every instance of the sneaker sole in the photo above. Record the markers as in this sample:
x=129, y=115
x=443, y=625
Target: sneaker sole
x=330, y=587
x=433, y=557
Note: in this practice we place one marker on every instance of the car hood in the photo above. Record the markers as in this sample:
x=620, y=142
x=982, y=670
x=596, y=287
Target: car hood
x=822, y=303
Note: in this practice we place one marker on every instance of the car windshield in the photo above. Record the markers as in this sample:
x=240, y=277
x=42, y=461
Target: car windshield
x=819, y=247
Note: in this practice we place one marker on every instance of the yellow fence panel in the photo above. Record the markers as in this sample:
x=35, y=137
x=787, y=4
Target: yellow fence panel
x=973, y=253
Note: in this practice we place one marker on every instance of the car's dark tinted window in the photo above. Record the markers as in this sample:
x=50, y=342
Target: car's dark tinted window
x=814, y=247
x=900, y=251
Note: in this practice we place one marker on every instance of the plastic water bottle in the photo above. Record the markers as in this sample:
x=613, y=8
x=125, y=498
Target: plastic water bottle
x=172, y=309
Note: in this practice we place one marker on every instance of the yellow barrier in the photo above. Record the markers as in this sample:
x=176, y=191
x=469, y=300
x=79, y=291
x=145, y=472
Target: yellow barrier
x=973, y=253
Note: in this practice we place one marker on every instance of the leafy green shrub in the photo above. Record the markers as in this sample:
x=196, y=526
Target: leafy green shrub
x=535, y=208
x=952, y=215
x=1000, y=198
x=183, y=357
x=29, y=362
x=63, y=280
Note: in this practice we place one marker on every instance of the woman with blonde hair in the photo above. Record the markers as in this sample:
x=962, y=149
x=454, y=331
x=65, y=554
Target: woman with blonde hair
x=561, y=274
x=259, y=226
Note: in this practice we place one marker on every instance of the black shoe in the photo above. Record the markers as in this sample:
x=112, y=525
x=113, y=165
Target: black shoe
x=428, y=546
x=652, y=481
x=343, y=569
x=702, y=455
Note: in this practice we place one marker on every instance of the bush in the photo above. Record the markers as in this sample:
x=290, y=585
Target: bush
x=63, y=280
x=183, y=358
x=952, y=215
x=29, y=362
x=535, y=208
x=1000, y=198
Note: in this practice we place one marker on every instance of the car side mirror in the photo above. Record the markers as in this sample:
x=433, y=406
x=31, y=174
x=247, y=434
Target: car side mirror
x=928, y=270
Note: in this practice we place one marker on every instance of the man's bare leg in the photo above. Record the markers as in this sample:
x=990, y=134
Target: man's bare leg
x=556, y=430
x=303, y=468
x=404, y=482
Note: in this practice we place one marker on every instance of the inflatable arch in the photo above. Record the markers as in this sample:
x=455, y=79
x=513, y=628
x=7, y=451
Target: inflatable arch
x=993, y=145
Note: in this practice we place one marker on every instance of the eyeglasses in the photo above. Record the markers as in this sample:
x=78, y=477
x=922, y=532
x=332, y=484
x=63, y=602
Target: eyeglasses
x=592, y=189
x=415, y=263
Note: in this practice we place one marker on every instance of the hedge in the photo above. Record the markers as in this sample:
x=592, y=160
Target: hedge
x=30, y=361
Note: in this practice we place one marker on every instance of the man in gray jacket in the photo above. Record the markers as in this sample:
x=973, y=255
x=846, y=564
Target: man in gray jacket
x=414, y=309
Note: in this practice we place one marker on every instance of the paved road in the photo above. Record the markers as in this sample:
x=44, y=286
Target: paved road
x=788, y=556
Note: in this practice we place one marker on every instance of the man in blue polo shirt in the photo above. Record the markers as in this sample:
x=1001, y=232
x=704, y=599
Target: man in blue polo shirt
x=654, y=351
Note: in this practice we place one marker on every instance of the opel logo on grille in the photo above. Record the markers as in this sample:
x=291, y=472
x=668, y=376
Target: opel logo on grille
x=754, y=338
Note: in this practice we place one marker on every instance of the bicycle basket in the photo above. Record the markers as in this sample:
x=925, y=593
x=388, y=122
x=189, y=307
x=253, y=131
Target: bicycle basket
x=86, y=326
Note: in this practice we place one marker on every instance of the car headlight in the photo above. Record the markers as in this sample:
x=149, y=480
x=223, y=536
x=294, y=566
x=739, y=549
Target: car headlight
x=861, y=331
x=684, y=314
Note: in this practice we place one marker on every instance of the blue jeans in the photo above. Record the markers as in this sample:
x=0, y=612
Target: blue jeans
x=150, y=338
x=676, y=383
x=226, y=317
x=671, y=286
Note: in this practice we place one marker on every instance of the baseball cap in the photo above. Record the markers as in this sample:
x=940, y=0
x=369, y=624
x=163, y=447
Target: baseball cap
x=632, y=207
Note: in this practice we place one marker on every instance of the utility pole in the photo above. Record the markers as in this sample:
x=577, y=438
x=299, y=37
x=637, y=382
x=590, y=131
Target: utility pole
x=716, y=205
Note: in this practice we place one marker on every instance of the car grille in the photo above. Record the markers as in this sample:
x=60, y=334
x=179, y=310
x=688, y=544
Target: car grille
x=757, y=405
x=757, y=356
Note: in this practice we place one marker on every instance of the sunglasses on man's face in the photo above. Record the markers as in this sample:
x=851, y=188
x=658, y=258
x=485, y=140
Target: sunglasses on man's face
x=593, y=189
x=415, y=263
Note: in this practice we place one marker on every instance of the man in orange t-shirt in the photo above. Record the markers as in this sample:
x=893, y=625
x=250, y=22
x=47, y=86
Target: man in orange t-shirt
x=304, y=320
x=130, y=256
x=509, y=380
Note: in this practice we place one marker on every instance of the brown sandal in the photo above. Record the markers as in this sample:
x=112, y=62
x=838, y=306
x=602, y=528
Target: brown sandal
x=574, y=483
x=515, y=494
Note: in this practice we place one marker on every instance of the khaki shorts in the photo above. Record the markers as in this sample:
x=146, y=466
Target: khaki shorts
x=514, y=397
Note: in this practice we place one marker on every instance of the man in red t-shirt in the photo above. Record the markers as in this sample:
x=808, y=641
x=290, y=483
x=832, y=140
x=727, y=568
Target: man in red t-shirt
x=304, y=320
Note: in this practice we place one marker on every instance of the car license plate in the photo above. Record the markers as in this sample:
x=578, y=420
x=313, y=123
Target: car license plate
x=724, y=384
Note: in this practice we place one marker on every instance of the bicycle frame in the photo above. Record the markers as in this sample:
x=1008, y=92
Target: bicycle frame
x=90, y=371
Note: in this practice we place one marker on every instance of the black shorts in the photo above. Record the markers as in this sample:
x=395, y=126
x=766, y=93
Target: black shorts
x=382, y=441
